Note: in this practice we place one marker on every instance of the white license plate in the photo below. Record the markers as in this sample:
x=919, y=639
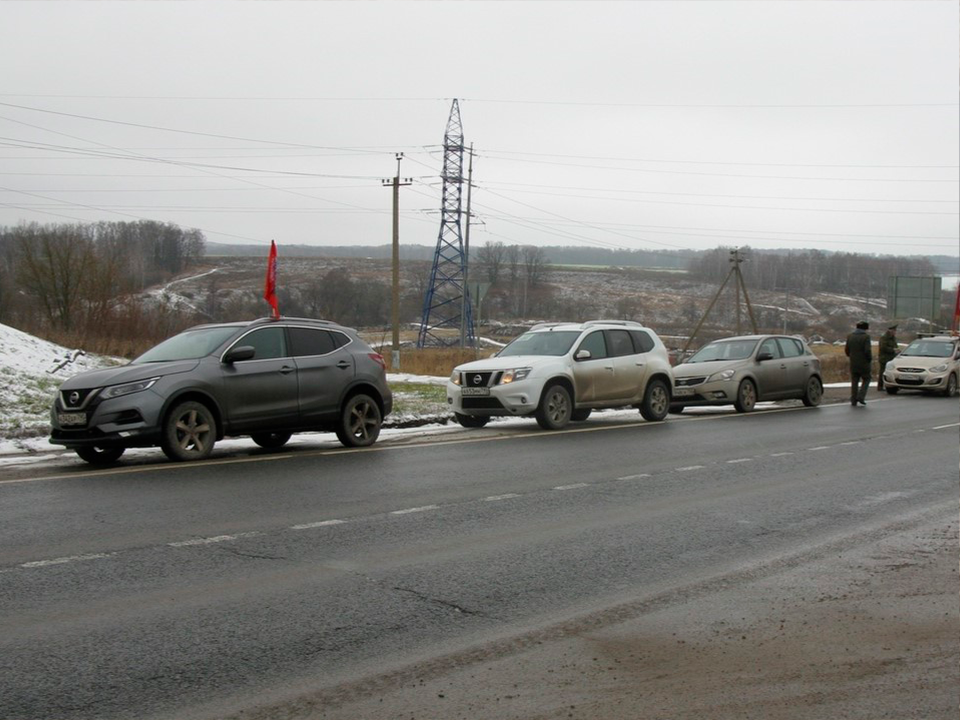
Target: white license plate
x=474, y=391
x=682, y=392
x=72, y=418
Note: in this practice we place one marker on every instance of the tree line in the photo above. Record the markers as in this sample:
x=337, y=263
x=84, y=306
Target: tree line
x=79, y=278
x=810, y=270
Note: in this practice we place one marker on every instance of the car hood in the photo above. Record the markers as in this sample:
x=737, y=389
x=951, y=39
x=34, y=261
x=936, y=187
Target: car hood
x=707, y=368
x=918, y=361
x=127, y=373
x=505, y=363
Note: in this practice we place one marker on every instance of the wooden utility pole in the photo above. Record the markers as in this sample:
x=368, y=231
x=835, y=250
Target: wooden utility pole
x=395, y=183
x=735, y=261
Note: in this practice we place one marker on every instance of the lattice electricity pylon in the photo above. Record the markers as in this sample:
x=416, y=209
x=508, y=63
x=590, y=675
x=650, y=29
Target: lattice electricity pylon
x=446, y=306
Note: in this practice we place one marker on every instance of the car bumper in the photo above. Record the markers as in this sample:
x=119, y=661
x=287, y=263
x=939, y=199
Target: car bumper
x=128, y=421
x=716, y=392
x=519, y=398
x=915, y=381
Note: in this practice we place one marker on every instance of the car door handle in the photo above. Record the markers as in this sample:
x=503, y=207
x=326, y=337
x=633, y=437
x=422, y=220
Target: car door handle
x=343, y=364
x=608, y=367
x=285, y=370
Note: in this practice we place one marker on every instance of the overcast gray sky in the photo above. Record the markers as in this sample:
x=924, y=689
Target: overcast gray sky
x=647, y=125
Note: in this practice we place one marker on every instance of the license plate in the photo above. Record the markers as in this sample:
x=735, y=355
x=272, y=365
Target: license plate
x=72, y=418
x=474, y=391
x=682, y=392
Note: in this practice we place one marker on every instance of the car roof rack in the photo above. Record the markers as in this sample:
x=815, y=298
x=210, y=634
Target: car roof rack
x=314, y=321
x=625, y=323
x=543, y=326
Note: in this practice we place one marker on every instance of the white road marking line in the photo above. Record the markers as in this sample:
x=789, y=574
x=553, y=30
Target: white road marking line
x=425, y=508
x=852, y=442
x=212, y=540
x=572, y=487
x=944, y=427
x=819, y=447
x=690, y=467
x=634, y=477
x=321, y=523
x=782, y=454
x=494, y=498
x=62, y=560
x=739, y=460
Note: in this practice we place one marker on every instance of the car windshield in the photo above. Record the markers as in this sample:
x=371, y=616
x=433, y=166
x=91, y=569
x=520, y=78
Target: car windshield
x=929, y=348
x=556, y=343
x=188, y=345
x=724, y=350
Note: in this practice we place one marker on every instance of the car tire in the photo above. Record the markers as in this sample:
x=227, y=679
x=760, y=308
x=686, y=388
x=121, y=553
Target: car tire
x=99, y=455
x=746, y=396
x=656, y=401
x=360, y=422
x=581, y=415
x=892, y=390
x=813, y=393
x=472, y=421
x=271, y=440
x=676, y=409
x=189, y=432
x=951, y=390
x=555, y=409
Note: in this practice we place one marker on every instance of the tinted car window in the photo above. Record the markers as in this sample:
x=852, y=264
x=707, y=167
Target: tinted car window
x=595, y=343
x=769, y=346
x=642, y=341
x=619, y=343
x=790, y=347
x=339, y=339
x=306, y=341
x=268, y=343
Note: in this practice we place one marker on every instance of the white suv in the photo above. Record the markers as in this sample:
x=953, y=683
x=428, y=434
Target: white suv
x=931, y=364
x=560, y=372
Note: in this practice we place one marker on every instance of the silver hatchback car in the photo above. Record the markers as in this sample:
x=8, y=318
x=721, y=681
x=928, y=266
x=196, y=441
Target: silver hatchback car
x=263, y=378
x=741, y=371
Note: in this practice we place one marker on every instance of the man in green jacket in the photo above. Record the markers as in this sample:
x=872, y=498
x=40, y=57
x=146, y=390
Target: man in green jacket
x=886, y=351
x=861, y=357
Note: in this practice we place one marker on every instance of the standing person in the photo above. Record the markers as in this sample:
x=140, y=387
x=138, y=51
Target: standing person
x=886, y=352
x=861, y=356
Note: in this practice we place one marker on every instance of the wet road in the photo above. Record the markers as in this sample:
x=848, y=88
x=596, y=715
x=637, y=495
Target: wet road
x=178, y=591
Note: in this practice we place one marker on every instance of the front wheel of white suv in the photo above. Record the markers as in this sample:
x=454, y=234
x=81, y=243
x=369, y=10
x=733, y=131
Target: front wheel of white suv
x=656, y=401
x=555, y=409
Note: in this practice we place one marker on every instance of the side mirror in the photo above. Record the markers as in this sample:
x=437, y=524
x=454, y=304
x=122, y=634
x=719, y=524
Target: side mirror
x=244, y=352
x=583, y=355
x=764, y=356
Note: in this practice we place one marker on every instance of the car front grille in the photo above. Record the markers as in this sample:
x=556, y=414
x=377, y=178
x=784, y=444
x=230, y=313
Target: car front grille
x=687, y=382
x=479, y=379
x=909, y=381
x=910, y=370
x=76, y=399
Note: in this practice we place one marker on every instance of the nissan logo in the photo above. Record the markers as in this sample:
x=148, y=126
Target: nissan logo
x=477, y=379
x=74, y=397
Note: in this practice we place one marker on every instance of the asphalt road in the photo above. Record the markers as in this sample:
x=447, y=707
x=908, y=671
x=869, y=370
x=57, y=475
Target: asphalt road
x=198, y=591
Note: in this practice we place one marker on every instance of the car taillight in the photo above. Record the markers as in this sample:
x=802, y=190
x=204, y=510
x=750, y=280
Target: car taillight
x=378, y=359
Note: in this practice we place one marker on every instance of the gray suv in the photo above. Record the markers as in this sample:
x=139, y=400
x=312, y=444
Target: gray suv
x=263, y=378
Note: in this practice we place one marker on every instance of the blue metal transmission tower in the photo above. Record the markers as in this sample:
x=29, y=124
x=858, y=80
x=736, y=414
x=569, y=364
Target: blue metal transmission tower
x=447, y=305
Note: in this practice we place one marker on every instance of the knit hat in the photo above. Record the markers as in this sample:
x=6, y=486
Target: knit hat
x=863, y=325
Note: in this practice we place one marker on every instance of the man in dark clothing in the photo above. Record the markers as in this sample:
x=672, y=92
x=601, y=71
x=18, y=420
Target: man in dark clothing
x=861, y=356
x=886, y=352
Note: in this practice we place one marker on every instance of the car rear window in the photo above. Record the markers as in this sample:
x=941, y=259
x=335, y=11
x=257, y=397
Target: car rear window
x=307, y=341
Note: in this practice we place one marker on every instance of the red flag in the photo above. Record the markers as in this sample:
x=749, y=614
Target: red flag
x=956, y=312
x=270, y=290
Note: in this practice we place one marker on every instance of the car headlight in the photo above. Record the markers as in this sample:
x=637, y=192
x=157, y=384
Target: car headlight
x=514, y=374
x=939, y=368
x=127, y=388
x=722, y=375
x=455, y=377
